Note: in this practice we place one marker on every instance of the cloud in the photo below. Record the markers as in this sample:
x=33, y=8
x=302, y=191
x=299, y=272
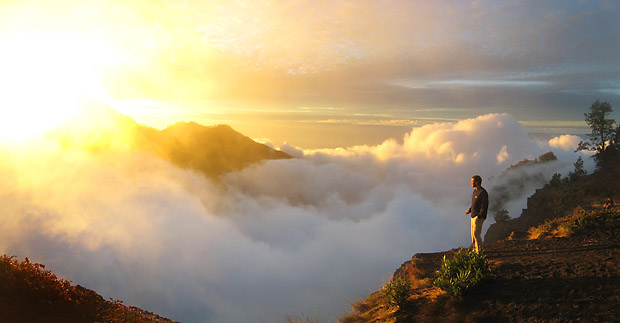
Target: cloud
x=280, y=237
x=471, y=55
x=565, y=142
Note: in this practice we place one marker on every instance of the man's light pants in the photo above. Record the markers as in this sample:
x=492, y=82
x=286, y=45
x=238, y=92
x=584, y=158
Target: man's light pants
x=476, y=230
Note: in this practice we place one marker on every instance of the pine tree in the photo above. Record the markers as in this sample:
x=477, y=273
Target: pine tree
x=579, y=170
x=602, y=127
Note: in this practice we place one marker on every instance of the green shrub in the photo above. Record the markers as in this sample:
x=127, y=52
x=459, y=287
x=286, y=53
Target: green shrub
x=459, y=274
x=397, y=291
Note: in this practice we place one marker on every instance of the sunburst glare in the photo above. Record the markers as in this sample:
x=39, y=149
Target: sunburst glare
x=46, y=77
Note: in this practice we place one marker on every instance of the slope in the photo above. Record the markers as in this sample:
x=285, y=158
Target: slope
x=559, y=198
x=29, y=293
x=569, y=273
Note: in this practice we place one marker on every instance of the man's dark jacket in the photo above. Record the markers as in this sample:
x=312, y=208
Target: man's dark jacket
x=479, y=203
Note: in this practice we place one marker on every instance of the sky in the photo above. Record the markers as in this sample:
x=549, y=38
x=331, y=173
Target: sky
x=389, y=108
x=322, y=74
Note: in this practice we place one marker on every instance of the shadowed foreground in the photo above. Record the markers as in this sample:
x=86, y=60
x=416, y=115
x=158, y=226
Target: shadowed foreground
x=29, y=293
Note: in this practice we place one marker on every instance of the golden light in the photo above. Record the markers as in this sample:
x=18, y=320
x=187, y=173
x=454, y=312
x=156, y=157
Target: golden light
x=45, y=78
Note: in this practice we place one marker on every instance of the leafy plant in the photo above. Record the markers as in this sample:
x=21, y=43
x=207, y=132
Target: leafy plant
x=397, y=291
x=461, y=273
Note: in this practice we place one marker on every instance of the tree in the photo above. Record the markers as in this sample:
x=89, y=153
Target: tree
x=579, y=170
x=556, y=180
x=602, y=127
x=501, y=215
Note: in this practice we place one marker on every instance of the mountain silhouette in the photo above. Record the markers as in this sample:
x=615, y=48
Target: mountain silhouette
x=211, y=150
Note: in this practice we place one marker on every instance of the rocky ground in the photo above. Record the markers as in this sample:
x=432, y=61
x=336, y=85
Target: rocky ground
x=549, y=279
x=555, y=279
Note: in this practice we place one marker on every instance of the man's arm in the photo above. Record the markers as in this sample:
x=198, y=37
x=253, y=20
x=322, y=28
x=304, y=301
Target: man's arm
x=484, y=205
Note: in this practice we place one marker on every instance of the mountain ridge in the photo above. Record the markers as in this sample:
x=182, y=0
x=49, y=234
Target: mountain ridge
x=210, y=150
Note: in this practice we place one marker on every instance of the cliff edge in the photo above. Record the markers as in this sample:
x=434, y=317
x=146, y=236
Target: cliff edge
x=559, y=262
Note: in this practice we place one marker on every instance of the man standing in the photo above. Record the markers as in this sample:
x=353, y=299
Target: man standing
x=478, y=211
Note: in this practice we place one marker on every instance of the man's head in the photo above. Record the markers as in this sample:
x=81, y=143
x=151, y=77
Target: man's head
x=476, y=181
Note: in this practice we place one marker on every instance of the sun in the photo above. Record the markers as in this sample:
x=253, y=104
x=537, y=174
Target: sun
x=45, y=78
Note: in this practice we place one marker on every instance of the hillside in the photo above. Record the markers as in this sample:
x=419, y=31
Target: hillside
x=565, y=268
x=211, y=150
x=29, y=293
x=557, y=200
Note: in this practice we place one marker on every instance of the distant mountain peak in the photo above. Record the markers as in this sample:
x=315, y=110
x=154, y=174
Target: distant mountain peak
x=212, y=150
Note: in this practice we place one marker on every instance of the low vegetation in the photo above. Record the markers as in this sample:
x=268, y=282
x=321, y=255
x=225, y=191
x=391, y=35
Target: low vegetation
x=463, y=272
x=569, y=225
x=29, y=293
x=397, y=291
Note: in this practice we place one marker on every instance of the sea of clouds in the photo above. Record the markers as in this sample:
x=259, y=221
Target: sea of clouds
x=308, y=235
